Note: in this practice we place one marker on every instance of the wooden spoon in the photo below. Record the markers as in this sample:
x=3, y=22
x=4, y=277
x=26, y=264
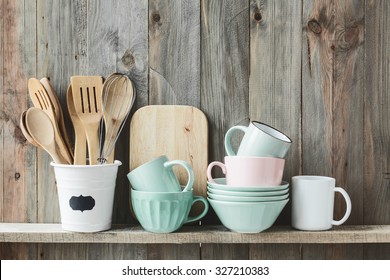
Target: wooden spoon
x=80, y=140
x=24, y=130
x=87, y=92
x=41, y=100
x=41, y=130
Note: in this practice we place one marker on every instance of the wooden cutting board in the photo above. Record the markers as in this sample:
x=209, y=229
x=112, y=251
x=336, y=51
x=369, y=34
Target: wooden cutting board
x=179, y=132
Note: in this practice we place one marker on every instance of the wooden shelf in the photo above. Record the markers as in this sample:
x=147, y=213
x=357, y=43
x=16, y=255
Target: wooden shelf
x=53, y=233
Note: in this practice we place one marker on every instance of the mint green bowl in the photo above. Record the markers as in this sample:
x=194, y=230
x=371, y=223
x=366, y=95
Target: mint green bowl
x=220, y=184
x=246, y=198
x=247, y=217
x=164, y=212
x=247, y=194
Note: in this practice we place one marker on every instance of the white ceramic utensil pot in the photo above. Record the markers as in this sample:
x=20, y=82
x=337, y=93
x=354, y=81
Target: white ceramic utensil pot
x=86, y=195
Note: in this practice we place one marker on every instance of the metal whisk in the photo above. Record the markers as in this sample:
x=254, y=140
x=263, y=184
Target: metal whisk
x=118, y=95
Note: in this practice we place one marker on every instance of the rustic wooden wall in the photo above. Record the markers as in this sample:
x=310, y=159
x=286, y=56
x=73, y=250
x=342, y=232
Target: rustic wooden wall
x=317, y=70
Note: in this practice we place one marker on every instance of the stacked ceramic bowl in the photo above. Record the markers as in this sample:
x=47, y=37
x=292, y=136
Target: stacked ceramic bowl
x=159, y=202
x=252, y=195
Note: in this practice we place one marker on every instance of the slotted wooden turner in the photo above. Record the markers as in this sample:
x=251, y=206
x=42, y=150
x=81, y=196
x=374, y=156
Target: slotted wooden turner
x=87, y=92
x=179, y=132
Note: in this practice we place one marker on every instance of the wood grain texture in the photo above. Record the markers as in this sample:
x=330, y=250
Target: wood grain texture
x=224, y=86
x=214, y=234
x=179, y=132
x=275, y=81
x=59, y=251
x=18, y=168
x=275, y=88
x=174, y=67
x=275, y=251
x=224, y=82
x=118, y=42
x=333, y=62
x=376, y=122
x=324, y=63
x=173, y=251
x=174, y=52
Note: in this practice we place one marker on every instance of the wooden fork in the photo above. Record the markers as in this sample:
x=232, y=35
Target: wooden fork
x=42, y=101
x=87, y=91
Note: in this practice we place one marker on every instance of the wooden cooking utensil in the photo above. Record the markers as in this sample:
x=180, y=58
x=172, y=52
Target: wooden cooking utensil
x=42, y=101
x=118, y=97
x=42, y=131
x=80, y=140
x=26, y=133
x=57, y=111
x=87, y=92
x=179, y=132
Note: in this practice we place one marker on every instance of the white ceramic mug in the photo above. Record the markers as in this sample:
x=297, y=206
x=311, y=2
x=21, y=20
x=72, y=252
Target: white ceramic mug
x=260, y=140
x=313, y=203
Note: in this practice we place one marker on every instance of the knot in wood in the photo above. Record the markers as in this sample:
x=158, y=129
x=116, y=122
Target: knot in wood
x=258, y=16
x=156, y=17
x=17, y=176
x=315, y=26
x=128, y=58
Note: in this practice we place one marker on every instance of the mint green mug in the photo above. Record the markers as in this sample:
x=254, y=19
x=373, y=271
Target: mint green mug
x=157, y=176
x=163, y=212
x=260, y=140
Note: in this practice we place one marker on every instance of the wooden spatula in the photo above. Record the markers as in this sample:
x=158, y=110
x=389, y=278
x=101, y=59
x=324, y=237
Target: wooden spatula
x=41, y=100
x=180, y=132
x=80, y=140
x=87, y=92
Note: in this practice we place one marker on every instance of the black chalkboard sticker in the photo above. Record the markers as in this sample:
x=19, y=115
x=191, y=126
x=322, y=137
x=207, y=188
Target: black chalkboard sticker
x=82, y=203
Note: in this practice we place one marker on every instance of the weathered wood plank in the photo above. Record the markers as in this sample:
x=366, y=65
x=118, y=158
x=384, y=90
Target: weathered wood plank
x=377, y=114
x=18, y=157
x=61, y=53
x=275, y=87
x=317, y=87
x=61, y=251
x=275, y=251
x=275, y=83
x=225, y=251
x=2, y=120
x=333, y=102
x=376, y=122
x=173, y=251
x=224, y=86
x=174, y=53
x=53, y=233
x=332, y=252
x=224, y=67
x=117, y=42
x=174, y=75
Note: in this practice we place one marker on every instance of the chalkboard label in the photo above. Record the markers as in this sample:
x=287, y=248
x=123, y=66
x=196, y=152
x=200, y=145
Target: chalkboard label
x=82, y=203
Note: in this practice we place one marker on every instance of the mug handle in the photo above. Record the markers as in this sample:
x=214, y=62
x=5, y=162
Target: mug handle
x=349, y=206
x=210, y=167
x=201, y=215
x=187, y=167
x=228, y=137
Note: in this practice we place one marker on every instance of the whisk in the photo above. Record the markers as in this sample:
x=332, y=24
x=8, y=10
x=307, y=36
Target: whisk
x=118, y=95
